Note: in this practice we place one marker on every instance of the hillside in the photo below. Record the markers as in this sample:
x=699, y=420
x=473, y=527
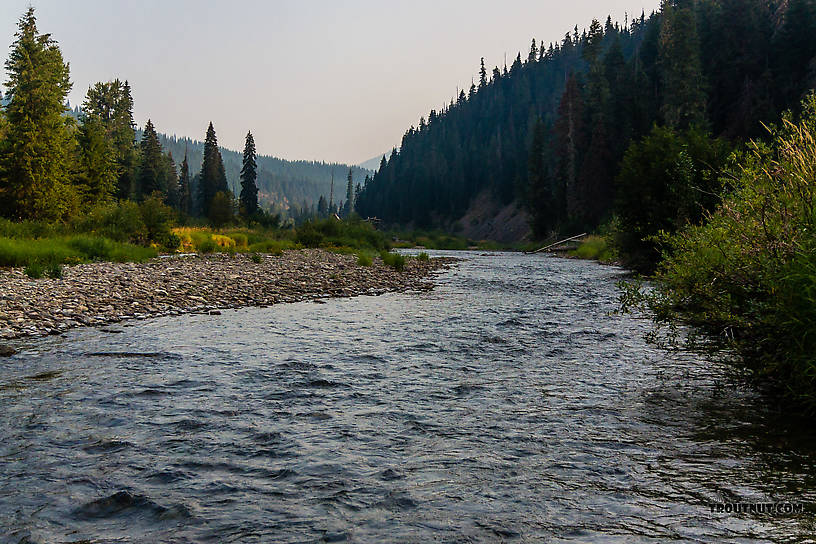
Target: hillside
x=549, y=132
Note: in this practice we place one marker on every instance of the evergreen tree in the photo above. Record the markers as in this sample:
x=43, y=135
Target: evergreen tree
x=98, y=172
x=173, y=198
x=348, y=207
x=249, y=189
x=684, y=100
x=36, y=154
x=213, y=176
x=185, y=188
x=151, y=177
x=482, y=75
x=112, y=105
x=322, y=207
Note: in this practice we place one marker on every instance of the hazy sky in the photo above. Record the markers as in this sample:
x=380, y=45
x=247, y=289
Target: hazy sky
x=325, y=80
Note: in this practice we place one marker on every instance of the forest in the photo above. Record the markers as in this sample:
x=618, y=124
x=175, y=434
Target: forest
x=59, y=163
x=553, y=130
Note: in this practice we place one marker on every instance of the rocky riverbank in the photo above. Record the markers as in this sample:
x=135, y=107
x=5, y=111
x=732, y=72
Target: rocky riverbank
x=100, y=293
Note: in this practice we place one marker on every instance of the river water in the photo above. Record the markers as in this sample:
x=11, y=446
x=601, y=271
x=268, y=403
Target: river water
x=508, y=404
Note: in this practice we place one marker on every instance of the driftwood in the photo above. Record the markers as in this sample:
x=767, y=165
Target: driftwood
x=558, y=243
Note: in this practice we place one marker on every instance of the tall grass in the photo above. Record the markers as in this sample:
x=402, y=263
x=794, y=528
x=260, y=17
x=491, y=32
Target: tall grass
x=69, y=250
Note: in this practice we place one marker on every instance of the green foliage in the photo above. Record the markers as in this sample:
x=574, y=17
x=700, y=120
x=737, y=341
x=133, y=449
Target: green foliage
x=423, y=256
x=249, y=177
x=68, y=250
x=596, y=248
x=34, y=271
x=213, y=179
x=394, y=260
x=749, y=273
x=36, y=151
x=220, y=213
x=667, y=180
x=332, y=233
x=54, y=271
x=256, y=258
x=365, y=259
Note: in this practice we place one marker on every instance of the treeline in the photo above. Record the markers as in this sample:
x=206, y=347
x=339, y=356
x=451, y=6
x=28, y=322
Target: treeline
x=282, y=184
x=554, y=129
x=58, y=163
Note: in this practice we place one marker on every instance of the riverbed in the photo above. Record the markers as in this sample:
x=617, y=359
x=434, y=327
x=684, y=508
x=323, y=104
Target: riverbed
x=509, y=403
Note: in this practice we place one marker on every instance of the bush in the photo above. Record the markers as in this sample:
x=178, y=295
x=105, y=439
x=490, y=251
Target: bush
x=257, y=259
x=394, y=260
x=364, y=259
x=157, y=217
x=34, y=270
x=423, y=256
x=207, y=246
x=54, y=271
x=749, y=275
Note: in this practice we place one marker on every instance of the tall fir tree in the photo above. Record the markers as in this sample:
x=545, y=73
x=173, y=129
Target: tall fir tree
x=152, y=165
x=213, y=176
x=97, y=170
x=249, y=176
x=185, y=188
x=36, y=154
x=173, y=193
x=348, y=206
x=684, y=100
x=112, y=104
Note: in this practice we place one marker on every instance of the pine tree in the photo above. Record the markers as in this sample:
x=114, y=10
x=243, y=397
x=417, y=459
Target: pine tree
x=249, y=175
x=173, y=194
x=482, y=75
x=112, y=105
x=98, y=173
x=185, y=189
x=151, y=177
x=684, y=100
x=213, y=176
x=37, y=148
x=348, y=207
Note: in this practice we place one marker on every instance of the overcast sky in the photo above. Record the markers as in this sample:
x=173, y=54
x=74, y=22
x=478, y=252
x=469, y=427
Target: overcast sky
x=320, y=79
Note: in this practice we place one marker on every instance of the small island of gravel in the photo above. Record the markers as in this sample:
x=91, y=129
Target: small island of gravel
x=98, y=293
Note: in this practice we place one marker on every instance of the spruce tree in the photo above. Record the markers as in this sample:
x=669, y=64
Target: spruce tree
x=348, y=207
x=482, y=75
x=36, y=157
x=185, y=190
x=96, y=162
x=152, y=170
x=249, y=175
x=173, y=194
x=213, y=176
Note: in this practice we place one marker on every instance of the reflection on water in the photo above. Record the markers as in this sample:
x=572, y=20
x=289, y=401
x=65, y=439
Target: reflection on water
x=507, y=404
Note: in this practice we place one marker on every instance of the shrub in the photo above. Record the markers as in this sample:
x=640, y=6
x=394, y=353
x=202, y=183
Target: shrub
x=749, y=274
x=256, y=258
x=394, y=260
x=364, y=259
x=54, y=271
x=207, y=246
x=423, y=256
x=34, y=270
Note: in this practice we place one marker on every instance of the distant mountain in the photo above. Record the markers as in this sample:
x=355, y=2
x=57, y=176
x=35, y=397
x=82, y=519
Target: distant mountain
x=374, y=163
x=281, y=183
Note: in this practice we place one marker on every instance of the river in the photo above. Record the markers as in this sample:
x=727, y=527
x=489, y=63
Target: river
x=508, y=404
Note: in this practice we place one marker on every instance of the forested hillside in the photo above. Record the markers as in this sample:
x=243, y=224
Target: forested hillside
x=281, y=183
x=551, y=130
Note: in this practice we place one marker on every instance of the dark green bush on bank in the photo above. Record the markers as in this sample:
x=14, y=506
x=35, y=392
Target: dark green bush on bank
x=748, y=275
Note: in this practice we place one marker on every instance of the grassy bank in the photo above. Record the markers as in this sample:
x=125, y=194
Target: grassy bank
x=130, y=232
x=596, y=248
